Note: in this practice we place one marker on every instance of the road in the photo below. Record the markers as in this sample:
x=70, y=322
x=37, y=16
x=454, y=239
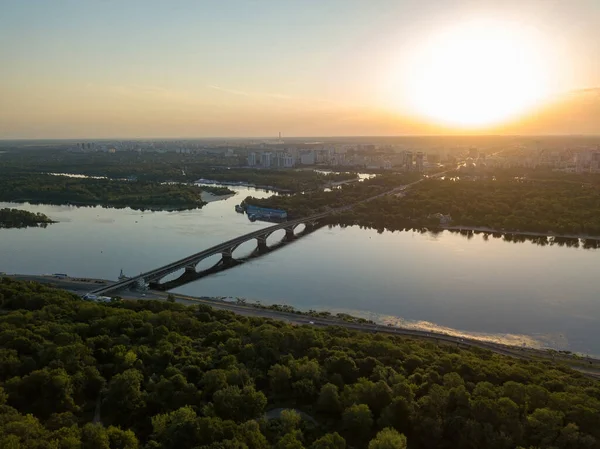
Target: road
x=588, y=366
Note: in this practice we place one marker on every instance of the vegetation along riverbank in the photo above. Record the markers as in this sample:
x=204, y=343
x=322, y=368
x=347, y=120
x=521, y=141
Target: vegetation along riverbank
x=159, y=374
x=500, y=200
x=16, y=218
x=50, y=189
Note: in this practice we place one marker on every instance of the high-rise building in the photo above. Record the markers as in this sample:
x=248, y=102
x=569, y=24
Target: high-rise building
x=307, y=158
x=265, y=159
x=420, y=162
x=251, y=159
x=408, y=161
x=288, y=160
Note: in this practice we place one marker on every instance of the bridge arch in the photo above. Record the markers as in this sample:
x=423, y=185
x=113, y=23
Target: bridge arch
x=276, y=237
x=244, y=249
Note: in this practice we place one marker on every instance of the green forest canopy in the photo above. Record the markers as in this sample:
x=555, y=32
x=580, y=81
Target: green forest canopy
x=162, y=375
x=502, y=202
x=16, y=218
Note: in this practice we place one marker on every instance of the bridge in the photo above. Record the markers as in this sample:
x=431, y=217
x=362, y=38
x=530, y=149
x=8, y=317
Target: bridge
x=226, y=249
x=153, y=277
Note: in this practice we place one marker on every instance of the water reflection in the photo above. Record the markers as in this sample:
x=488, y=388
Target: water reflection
x=469, y=282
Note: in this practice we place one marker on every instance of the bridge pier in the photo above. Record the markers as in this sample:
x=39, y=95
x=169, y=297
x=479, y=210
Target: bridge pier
x=262, y=243
x=190, y=268
x=289, y=233
x=227, y=257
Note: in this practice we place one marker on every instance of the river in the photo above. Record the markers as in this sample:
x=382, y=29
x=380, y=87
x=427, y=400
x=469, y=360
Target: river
x=520, y=293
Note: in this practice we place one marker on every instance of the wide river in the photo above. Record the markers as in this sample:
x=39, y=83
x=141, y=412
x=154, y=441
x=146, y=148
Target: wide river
x=518, y=293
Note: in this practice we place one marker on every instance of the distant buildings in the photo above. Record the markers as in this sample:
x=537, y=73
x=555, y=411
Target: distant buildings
x=252, y=159
x=307, y=158
x=408, y=161
x=420, y=162
x=265, y=159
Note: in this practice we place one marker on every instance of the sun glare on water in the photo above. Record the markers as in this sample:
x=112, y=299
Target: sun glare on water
x=475, y=75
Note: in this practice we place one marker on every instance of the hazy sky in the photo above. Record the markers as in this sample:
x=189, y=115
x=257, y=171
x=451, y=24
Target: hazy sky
x=149, y=68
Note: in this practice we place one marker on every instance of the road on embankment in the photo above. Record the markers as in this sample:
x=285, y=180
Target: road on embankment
x=588, y=366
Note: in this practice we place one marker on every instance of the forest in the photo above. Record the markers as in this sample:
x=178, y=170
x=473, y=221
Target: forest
x=163, y=167
x=309, y=203
x=150, y=374
x=502, y=202
x=16, y=218
x=143, y=195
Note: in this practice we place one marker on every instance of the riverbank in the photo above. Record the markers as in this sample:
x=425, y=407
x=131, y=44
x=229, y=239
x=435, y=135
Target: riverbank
x=487, y=230
x=209, y=197
x=590, y=366
x=16, y=218
x=62, y=190
x=242, y=184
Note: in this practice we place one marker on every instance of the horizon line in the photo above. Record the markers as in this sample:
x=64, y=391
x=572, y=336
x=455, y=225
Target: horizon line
x=275, y=137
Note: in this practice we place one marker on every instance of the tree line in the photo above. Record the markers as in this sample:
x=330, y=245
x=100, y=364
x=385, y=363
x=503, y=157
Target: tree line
x=50, y=189
x=164, y=167
x=499, y=201
x=150, y=374
x=16, y=218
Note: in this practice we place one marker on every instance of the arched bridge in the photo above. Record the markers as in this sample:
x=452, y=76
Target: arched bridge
x=226, y=250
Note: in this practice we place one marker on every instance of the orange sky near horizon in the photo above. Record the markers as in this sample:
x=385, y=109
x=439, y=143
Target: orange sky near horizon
x=83, y=69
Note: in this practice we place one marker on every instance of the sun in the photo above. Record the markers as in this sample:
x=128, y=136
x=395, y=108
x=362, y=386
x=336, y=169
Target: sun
x=478, y=74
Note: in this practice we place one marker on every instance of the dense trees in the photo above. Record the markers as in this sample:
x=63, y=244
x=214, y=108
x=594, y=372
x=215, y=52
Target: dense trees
x=149, y=374
x=308, y=203
x=500, y=201
x=164, y=167
x=49, y=189
x=16, y=218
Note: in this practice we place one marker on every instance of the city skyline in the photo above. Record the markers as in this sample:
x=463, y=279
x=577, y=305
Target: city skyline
x=250, y=69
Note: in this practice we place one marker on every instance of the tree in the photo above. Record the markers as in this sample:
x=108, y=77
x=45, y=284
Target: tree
x=124, y=397
x=358, y=420
x=289, y=441
x=329, y=399
x=279, y=379
x=388, y=439
x=290, y=420
x=122, y=439
x=239, y=404
x=396, y=415
x=171, y=297
x=42, y=392
x=544, y=426
x=94, y=436
x=330, y=441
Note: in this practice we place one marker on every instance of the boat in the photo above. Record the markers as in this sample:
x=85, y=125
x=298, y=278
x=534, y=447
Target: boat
x=239, y=209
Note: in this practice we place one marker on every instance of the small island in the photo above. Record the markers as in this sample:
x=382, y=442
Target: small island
x=16, y=218
x=142, y=195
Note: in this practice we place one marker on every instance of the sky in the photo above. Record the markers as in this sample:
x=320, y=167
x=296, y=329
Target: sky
x=249, y=68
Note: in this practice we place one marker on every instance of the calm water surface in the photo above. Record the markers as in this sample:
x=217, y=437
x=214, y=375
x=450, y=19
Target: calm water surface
x=520, y=293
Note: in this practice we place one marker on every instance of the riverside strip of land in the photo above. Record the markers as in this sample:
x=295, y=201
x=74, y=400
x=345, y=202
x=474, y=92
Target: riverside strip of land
x=588, y=366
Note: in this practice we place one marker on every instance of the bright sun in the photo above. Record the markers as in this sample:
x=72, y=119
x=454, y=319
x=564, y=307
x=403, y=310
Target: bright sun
x=476, y=75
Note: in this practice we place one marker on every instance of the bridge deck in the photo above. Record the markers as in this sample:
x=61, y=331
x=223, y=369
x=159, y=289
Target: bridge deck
x=178, y=264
